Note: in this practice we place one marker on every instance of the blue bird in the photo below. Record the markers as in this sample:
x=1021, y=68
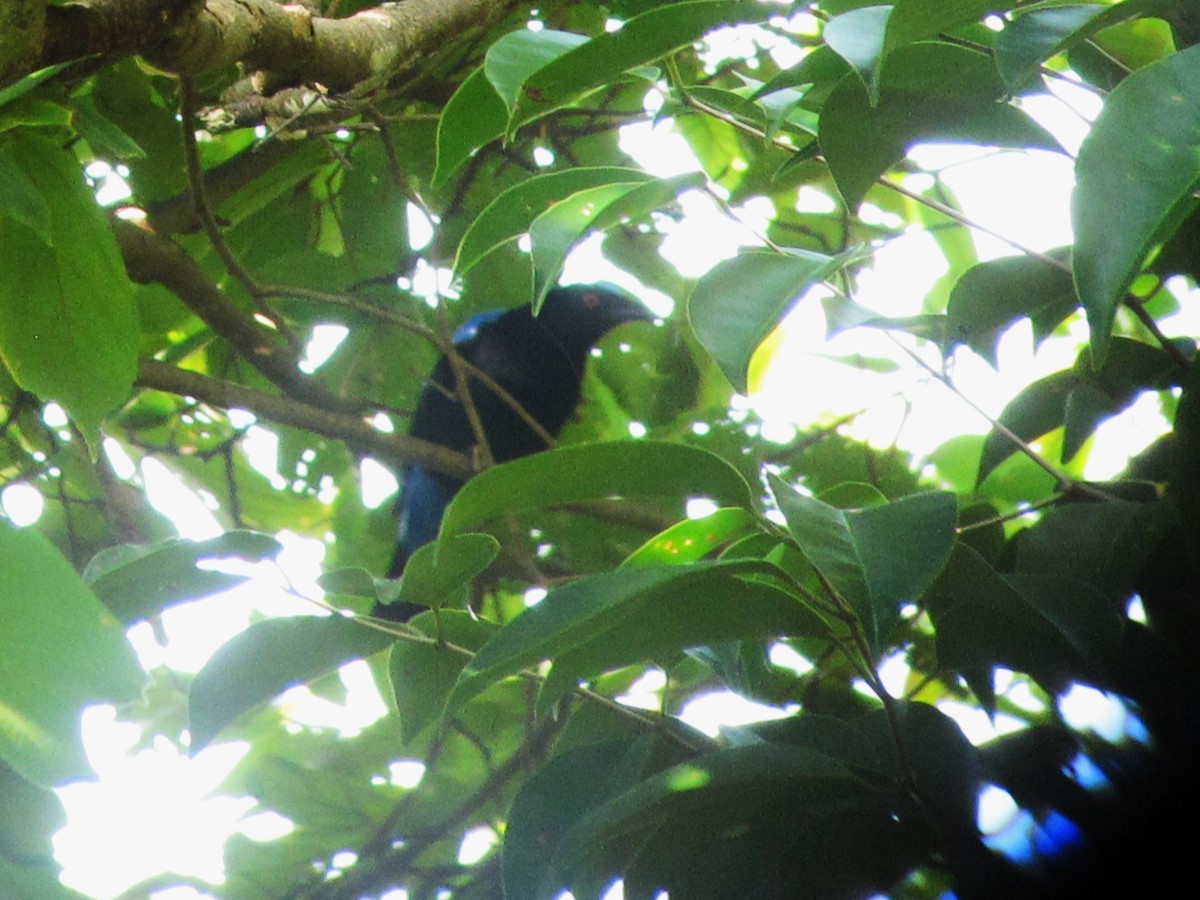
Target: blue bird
x=539, y=361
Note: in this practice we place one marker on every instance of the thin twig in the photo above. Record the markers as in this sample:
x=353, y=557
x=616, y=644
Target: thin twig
x=195, y=176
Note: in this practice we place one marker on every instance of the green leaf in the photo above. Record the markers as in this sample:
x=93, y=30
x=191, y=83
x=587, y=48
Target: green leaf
x=555, y=232
x=29, y=816
x=60, y=650
x=135, y=582
x=820, y=67
x=267, y=658
x=319, y=799
x=705, y=604
x=1081, y=613
x=1034, y=35
x=1136, y=177
x=692, y=539
x=423, y=673
x=66, y=307
x=642, y=40
x=558, y=795
x=474, y=116
x=1104, y=545
x=719, y=816
x=982, y=620
x=927, y=92
x=20, y=200
x=852, y=495
x=30, y=81
x=857, y=37
x=629, y=615
x=597, y=471
x=945, y=765
x=519, y=54
x=1078, y=399
x=875, y=558
x=437, y=570
x=513, y=211
x=106, y=139
x=991, y=296
x=765, y=284
x=919, y=20
x=1037, y=410
x=1183, y=474
x=33, y=112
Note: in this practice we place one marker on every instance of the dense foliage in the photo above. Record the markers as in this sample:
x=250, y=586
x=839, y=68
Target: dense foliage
x=191, y=190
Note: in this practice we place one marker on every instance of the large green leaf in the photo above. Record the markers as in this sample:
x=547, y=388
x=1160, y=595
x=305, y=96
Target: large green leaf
x=60, y=650
x=699, y=607
x=628, y=615
x=919, y=20
x=927, y=92
x=740, y=301
x=138, y=581
x=1056, y=631
x=1136, y=177
x=1183, y=473
x=991, y=296
x=692, y=539
x=643, y=39
x=319, y=799
x=944, y=764
x=29, y=816
x=600, y=471
x=1104, y=544
x=875, y=558
x=513, y=59
x=1036, y=410
x=1036, y=34
x=1078, y=399
x=424, y=672
x=712, y=826
x=532, y=73
x=20, y=200
x=933, y=751
x=857, y=36
x=267, y=658
x=26, y=84
x=66, y=305
x=558, y=795
x=513, y=211
x=555, y=232
x=474, y=116
x=439, y=569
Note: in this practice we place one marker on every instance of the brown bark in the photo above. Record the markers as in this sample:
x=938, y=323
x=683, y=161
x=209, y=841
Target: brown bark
x=22, y=30
x=287, y=43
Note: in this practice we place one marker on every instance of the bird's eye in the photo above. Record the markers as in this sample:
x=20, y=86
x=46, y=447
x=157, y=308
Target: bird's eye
x=591, y=300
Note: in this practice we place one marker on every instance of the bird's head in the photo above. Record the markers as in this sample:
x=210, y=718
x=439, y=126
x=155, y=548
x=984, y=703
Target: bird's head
x=580, y=315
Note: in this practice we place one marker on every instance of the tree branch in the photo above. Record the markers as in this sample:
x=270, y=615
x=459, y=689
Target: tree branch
x=22, y=31
x=285, y=42
x=151, y=258
x=332, y=424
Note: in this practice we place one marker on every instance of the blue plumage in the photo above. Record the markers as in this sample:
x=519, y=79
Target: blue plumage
x=539, y=360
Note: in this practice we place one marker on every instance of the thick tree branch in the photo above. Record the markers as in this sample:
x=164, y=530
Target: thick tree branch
x=22, y=31
x=341, y=426
x=109, y=29
x=286, y=42
x=151, y=258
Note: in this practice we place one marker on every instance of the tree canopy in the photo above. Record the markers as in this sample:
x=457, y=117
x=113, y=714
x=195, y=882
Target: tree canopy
x=193, y=191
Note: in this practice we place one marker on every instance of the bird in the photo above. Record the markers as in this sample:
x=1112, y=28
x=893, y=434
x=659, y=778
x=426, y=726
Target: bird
x=539, y=361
